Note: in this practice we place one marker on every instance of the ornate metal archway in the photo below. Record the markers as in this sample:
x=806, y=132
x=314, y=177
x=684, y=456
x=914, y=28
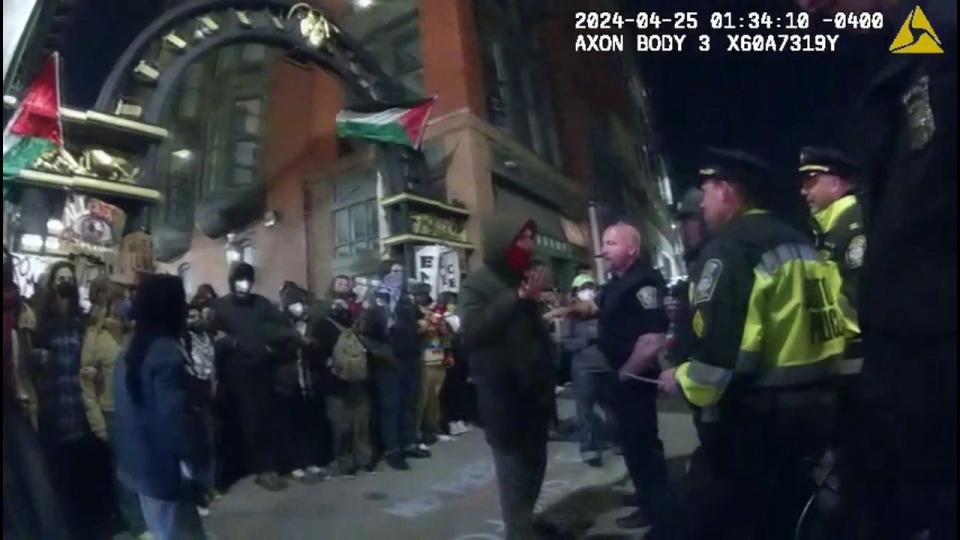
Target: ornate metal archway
x=145, y=76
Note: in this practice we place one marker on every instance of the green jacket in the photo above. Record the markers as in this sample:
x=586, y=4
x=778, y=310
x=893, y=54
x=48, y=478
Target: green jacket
x=766, y=313
x=508, y=345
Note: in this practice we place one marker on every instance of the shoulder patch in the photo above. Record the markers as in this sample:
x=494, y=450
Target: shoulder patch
x=856, y=250
x=699, y=329
x=707, y=283
x=649, y=297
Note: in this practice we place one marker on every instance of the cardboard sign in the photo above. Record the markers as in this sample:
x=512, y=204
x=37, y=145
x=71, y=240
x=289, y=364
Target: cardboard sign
x=135, y=257
x=91, y=226
x=428, y=267
x=450, y=271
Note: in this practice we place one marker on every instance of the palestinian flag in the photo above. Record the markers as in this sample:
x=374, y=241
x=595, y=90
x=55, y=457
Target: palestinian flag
x=398, y=124
x=36, y=127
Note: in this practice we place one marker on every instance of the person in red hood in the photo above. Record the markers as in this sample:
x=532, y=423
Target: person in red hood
x=509, y=349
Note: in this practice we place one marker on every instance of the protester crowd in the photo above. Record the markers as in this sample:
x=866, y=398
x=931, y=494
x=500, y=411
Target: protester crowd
x=233, y=385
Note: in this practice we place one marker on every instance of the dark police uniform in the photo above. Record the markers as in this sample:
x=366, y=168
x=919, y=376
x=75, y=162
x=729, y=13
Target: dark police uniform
x=631, y=306
x=770, y=332
x=908, y=291
x=683, y=338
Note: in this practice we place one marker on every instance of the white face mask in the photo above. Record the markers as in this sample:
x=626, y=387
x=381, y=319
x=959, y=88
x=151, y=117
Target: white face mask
x=587, y=295
x=296, y=309
x=242, y=286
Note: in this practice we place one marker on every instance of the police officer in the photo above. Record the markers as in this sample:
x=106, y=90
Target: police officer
x=693, y=232
x=906, y=139
x=769, y=332
x=632, y=329
x=829, y=183
x=693, y=236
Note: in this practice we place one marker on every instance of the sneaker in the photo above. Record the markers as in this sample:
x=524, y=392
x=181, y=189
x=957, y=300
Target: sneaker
x=429, y=439
x=397, y=462
x=148, y=536
x=464, y=427
x=456, y=428
x=319, y=472
x=444, y=438
x=636, y=520
x=298, y=474
x=418, y=453
x=271, y=482
x=202, y=510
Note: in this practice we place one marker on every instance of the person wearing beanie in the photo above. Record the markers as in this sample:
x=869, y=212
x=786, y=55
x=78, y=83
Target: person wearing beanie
x=509, y=349
x=593, y=380
x=254, y=331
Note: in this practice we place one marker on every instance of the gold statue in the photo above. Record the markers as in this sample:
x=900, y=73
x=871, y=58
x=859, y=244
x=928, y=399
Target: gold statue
x=113, y=168
x=314, y=27
x=59, y=161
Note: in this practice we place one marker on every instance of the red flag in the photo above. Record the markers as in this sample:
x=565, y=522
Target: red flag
x=39, y=114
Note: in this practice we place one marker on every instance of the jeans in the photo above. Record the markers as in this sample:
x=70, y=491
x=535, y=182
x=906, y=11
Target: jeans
x=398, y=388
x=520, y=473
x=635, y=407
x=428, y=403
x=591, y=388
x=172, y=520
x=30, y=505
x=349, y=415
x=127, y=501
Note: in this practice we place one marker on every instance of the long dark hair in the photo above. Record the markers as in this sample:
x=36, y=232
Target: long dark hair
x=48, y=307
x=159, y=310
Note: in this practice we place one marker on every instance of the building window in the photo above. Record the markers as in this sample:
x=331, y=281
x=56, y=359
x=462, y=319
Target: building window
x=391, y=33
x=519, y=96
x=356, y=222
x=246, y=142
x=190, y=93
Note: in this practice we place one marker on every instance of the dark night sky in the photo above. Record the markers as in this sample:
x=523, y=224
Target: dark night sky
x=769, y=104
x=99, y=33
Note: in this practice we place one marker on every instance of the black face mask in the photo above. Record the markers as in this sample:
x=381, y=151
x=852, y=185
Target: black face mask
x=67, y=290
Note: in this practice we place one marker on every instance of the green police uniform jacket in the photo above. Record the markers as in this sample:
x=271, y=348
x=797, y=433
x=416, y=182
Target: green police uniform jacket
x=766, y=313
x=841, y=239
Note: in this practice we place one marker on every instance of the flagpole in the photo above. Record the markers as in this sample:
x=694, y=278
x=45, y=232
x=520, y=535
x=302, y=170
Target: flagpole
x=56, y=76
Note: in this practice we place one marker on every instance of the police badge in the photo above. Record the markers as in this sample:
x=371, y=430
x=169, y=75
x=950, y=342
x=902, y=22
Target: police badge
x=855, y=251
x=708, y=281
x=648, y=297
x=920, y=121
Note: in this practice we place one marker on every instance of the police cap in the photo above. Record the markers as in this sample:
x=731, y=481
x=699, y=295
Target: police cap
x=738, y=167
x=690, y=203
x=815, y=161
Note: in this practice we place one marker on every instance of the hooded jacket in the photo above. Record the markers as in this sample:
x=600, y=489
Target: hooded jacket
x=508, y=345
x=298, y=368
x=256, y=326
